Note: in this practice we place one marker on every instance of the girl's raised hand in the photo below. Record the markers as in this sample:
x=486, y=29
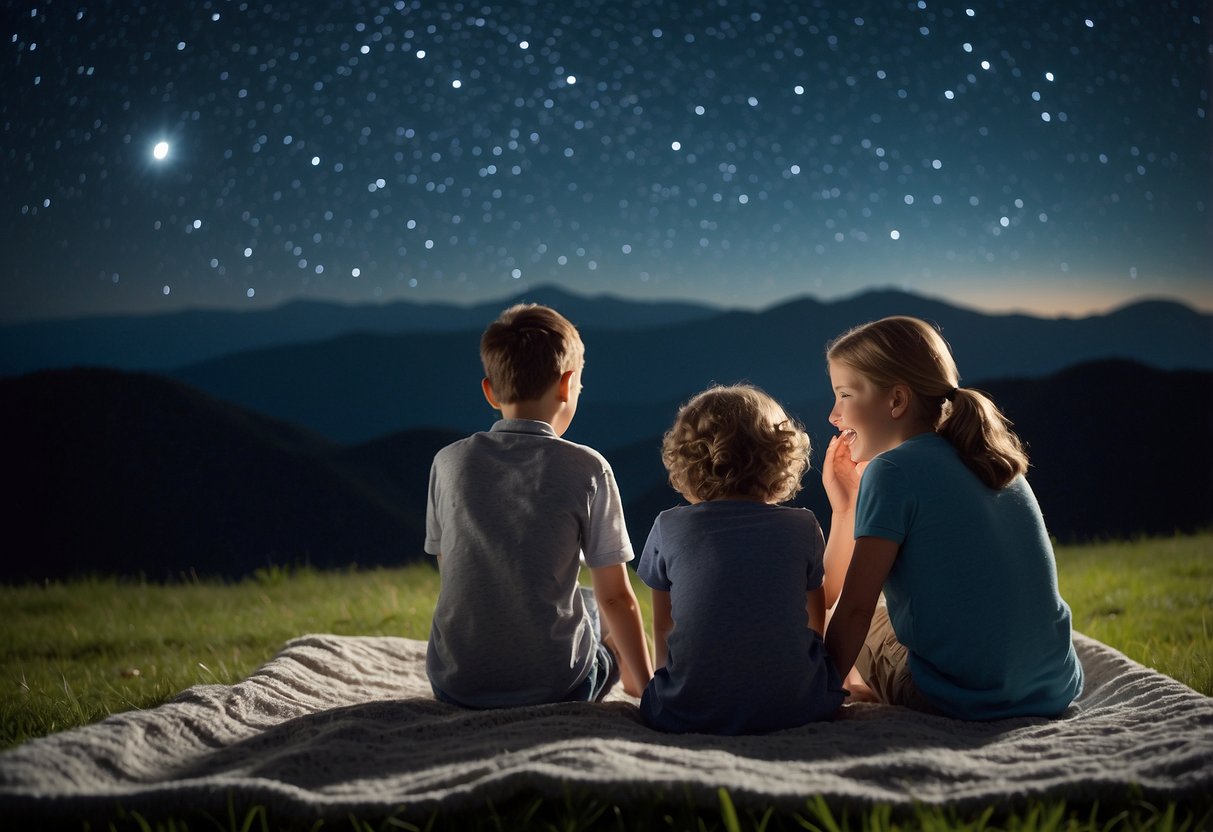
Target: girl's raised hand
x=840, y=475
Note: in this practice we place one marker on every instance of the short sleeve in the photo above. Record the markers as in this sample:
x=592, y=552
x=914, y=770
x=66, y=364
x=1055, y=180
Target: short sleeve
x=607, y=542
x=652, y=567
x=814, y=542
x=433, y=528
x=885, y=507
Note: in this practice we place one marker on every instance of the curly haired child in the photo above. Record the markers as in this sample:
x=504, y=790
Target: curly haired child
x=738, y=604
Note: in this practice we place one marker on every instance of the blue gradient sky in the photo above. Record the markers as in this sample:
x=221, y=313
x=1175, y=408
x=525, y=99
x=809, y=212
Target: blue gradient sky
x=1052, y=157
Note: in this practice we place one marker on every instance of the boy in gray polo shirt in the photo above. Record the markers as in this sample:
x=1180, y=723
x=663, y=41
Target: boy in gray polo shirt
x=511, y=512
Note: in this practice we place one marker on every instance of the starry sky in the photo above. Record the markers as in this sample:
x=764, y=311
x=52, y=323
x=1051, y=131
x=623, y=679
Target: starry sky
x=1037, y=155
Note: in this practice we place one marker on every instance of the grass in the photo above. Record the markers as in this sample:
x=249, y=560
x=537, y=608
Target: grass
x=71, y=653
x=580, y=811
x=1151, y=599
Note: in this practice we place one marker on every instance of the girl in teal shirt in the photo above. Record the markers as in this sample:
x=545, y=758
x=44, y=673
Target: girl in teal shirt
x=931, y=508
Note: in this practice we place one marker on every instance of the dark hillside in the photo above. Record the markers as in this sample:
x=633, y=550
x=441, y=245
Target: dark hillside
x=356, y=388
x=109, y=472
x=399, y=464
x=1117, y=449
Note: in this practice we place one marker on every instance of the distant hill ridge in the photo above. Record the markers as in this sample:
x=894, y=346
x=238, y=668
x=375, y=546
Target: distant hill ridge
x=354, y=388
x=158, y=342
x=128, y=473
x=1181, y=337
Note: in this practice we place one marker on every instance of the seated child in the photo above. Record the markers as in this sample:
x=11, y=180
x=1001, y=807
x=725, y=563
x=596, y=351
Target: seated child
x=511, y=511
x=939, y=559
x=738, y=604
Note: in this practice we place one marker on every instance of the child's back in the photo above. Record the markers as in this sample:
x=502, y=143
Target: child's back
x=518, y=505
x=973, y=590
x=511, y=511
x=741, y=658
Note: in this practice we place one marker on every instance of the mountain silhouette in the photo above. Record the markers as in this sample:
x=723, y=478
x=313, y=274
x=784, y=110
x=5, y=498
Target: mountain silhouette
x=316, y=448
x=158, y=342
x=355, y=388
x=1117, y=449
x=118, y=473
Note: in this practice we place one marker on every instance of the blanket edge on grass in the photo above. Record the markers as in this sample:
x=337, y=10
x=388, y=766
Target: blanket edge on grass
x=335, y=725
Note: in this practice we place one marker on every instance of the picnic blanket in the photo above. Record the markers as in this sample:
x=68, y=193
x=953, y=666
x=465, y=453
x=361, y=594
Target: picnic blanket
x=336, y=725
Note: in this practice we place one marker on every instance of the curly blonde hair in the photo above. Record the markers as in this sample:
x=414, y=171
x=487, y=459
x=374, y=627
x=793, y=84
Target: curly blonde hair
x=735, y=441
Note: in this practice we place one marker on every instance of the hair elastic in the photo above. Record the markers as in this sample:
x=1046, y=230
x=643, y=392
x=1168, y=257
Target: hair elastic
x=951, y=394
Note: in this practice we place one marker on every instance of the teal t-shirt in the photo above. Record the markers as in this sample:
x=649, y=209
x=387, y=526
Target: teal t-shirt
x=973, y=591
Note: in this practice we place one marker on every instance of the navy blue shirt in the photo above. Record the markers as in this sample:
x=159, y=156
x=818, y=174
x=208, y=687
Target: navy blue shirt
x=741, y=658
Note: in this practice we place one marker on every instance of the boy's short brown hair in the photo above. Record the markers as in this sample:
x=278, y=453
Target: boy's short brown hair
x=735, y=441
x=526, y=350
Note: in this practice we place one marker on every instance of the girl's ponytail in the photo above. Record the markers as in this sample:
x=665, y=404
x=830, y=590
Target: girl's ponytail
x=902, y=350
x=983, y=438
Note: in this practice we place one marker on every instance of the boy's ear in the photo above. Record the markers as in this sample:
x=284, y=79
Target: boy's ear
x=487, y=387
x=562, y=386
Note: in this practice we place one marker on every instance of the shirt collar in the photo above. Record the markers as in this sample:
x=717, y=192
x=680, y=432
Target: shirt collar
x=532, y=426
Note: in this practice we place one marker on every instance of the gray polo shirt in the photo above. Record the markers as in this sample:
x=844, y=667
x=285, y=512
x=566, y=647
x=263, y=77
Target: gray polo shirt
x=512, y=511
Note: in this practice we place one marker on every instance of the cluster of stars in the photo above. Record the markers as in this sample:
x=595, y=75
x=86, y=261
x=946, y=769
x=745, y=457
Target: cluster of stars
x=253, y=150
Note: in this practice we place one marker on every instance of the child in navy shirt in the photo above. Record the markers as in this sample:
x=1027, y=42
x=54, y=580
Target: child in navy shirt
x=738, y=604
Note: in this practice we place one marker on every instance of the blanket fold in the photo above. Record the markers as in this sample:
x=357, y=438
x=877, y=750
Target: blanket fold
x=335, y=725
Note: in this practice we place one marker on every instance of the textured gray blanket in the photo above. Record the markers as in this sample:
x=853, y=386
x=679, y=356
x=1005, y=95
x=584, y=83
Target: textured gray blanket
x=334, y=725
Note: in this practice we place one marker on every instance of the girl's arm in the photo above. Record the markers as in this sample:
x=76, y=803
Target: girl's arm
x=815, y=605
x=663, y=625
x=849, y=624
x=840, y=476
x=840, y=548
x=618, y=605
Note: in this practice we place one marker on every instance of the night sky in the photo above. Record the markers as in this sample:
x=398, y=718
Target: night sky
x=1042, y=155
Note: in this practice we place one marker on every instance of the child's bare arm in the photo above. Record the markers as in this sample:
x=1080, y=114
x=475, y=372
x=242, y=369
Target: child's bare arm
x=849, y=624
x=663, y=624
x=840, y=547
x=617, y=604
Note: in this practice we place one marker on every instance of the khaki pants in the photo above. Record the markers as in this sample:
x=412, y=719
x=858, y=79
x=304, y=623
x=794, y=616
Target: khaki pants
x=883, y=662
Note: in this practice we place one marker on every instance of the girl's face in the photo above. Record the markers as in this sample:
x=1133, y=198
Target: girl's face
x=863, y=409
